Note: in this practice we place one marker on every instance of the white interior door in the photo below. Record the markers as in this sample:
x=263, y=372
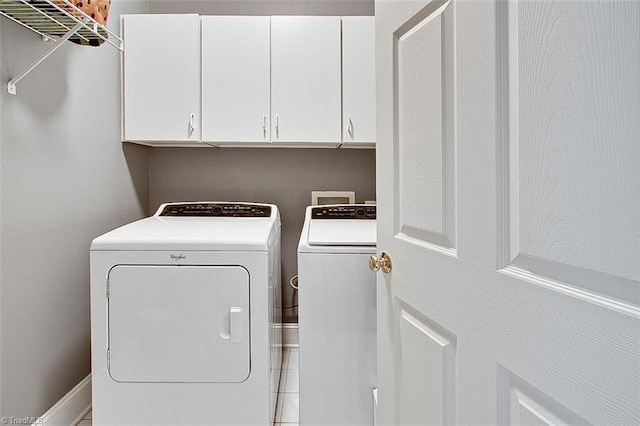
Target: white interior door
x=509, y=202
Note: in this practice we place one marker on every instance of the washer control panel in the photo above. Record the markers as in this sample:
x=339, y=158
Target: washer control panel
x=344, y=212
x=216, y=210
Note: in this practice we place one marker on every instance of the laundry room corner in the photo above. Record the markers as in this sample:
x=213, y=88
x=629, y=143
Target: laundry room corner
x=65, y=178
x=284, y=177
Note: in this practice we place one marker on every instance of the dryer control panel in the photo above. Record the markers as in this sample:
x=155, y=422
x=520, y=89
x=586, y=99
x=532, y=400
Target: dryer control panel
x=216, y=210
x=344, y=212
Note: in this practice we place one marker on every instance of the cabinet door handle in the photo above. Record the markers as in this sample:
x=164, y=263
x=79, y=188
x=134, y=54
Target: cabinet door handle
x=192, y=116
x=277, y=126
x=264, y=126
x=350, y=126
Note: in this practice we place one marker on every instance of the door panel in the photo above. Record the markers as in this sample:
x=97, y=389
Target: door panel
x=425, y=185
x=518, y=313
x=178, y=323
x=358, y=79
x=161, y=77
x=521, y=404
x=573, y=217
x=305, y=79
x=236, y=78
x=429, y=361
x=574, y=129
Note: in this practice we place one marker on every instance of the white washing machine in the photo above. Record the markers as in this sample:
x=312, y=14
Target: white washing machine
x=186, y=317
x=337, y=315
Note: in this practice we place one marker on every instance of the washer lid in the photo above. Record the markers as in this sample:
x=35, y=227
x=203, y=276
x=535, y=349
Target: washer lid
x=342, y=232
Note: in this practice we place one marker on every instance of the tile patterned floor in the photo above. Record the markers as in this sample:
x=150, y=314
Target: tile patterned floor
x=86, y=421
x=287, y=413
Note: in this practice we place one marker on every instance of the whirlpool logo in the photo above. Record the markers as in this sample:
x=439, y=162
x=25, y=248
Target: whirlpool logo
x=177, y=257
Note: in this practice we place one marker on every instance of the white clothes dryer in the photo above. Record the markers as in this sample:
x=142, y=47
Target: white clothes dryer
x=337, y=315
x=186, y=317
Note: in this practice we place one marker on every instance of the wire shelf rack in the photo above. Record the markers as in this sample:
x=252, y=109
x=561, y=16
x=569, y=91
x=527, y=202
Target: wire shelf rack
x=57, y=21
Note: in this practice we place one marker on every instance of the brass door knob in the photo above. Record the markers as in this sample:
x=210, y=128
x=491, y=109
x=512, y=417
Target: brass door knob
x=384, y=262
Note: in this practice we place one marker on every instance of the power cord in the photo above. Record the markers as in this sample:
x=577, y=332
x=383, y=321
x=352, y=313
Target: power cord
x=294, y=279
x=293, y=282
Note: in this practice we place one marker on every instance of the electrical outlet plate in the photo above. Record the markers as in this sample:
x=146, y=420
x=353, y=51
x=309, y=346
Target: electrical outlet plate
x=332, y=197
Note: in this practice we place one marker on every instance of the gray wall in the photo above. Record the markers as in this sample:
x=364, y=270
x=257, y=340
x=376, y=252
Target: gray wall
x=65, y=178
x=265, y=7
x=284, y=177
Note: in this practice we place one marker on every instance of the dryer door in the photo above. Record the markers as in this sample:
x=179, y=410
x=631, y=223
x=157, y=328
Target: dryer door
x=178, y=323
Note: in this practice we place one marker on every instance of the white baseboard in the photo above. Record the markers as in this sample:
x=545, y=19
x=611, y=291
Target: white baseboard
x=72, y=408
x=290, y=335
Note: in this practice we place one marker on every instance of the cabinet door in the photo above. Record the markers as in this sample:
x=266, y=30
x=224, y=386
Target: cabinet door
x=161, y=66
x=305, y=79
x=235, y=78
x=358, y=79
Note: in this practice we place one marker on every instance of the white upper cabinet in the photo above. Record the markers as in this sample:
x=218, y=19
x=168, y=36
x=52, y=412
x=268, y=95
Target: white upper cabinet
x=248, y=80
x=235, y=79
x=305, y=79
x=161, y=66
x=358, y=80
